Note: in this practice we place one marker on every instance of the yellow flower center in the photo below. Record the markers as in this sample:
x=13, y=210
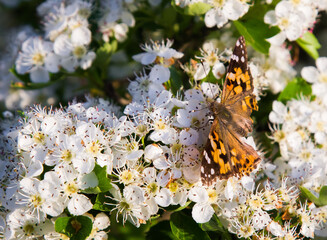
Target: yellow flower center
x=38, y=59
x=79, y=51
x=39, y=138
x=71, y=188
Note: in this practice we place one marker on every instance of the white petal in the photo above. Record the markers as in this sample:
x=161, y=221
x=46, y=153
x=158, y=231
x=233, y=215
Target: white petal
x=79, y=204
x=62, y=45
x=51, y=63
x=87, y=60
x=145, y=58
x=83, y=163
x=128, y=18
x=163, y=178
x=152, y=152
x=278, y=39
x=149, y=174
x=101, y=221
x=134, y=194
x=39, y=75
x=81, y=36
x=159, y=74
x=54, y=208
x=210, y=18
x=202, y=212
x=202, y=70
x=310, y=74
x=89, y=181
x=218, y=70
x=163, y=198
x=322, y=64
x=198, y=194
x=270, y=18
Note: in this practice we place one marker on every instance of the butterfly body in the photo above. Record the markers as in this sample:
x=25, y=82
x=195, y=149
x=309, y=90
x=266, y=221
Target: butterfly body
x=225, y=154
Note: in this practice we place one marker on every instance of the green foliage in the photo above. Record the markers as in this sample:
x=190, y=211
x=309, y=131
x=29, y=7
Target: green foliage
x=214, y=225
x=161, y=230
x=100, y=202
x=104, y=182
x=309, y=43
x=183, y=227
x=294, y=89
x=318, y=201
x=194, y=9
x=76, y=228
x=255, y=33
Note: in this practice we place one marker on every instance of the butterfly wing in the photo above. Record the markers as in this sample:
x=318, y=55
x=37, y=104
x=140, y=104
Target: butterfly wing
x=225, y=156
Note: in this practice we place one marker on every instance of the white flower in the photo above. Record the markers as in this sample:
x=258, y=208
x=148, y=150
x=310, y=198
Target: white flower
x=37, y=59
x=100, y=222
x=22, y=225
x=292, y=23
x=223, y=11
x=210, y=58
x=202, y=211
x=73, y=51
x=158, y=53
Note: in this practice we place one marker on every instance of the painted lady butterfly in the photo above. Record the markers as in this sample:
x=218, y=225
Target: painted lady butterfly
x=225, y=154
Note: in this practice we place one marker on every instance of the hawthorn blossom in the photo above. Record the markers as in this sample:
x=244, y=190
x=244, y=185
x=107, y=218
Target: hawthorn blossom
x=37, y=59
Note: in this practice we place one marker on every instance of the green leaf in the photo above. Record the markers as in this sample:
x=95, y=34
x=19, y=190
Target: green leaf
x=309, y=43
x=176, y=208
x=175, y=80
x=255, y=32
x=214, y=225
x=184, y=227
x=167, y=17
x=323, y=196
x=294, y=89
x=160, y=231
x=194, y=9
x=104, y=181
x=100, y=201
x=76, y=228
x=319, y=202
x=104, y=53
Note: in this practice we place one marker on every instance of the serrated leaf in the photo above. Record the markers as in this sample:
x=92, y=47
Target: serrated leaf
x=194, y=9
x=294, y=89
x=255, y=32
x=76, y=228
x=100, y=201
x=160, y=231
x=104, y=182
x=184, y=227
x=309, y=43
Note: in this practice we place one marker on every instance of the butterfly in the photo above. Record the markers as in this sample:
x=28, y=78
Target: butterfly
x=225, y=154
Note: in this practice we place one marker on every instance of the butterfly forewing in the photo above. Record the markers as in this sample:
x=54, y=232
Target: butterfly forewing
x=225, y=154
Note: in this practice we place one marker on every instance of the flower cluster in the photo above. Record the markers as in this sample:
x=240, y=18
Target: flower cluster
x=151, y=154
x=116, y=19
x=299, y=127
x=220, y=12
x=67, y=37
x=293, y=19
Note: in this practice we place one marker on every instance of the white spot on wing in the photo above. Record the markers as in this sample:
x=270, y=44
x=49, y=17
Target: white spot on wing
x=242, y=59
x=212, y=171
x=206, y=157
x=202, y=169
x=237, y=43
